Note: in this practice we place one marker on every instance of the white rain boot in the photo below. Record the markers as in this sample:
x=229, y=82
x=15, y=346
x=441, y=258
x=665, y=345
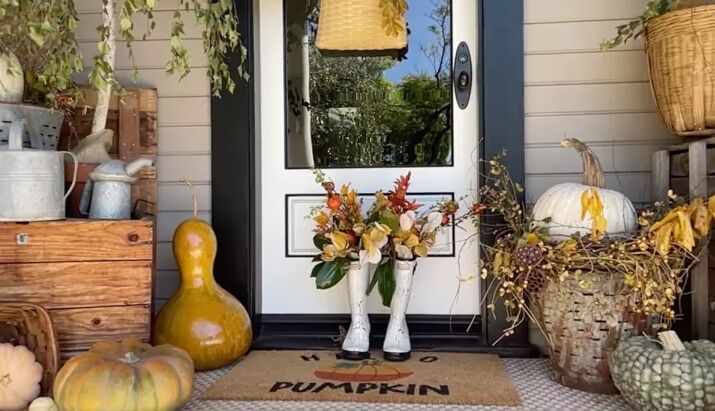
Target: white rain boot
x=356, y=345
x=397, y=338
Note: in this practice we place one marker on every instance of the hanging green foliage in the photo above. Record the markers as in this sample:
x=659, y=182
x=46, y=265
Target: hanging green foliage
x=654, y=8
x=41, y=33
x=220, y=37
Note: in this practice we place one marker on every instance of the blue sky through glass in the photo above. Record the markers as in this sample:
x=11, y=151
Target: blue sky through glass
x=418, y=20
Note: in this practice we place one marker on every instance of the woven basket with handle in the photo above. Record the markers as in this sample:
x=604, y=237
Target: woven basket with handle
x=680, y=46
x=30, y=325
x=583, y=326
x=355, y=27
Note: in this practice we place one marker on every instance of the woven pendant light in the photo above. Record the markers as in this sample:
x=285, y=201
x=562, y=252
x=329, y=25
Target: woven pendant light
x=356, y=28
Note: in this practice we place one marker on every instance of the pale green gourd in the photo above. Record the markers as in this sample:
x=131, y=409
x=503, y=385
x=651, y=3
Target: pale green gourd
x=673, y=376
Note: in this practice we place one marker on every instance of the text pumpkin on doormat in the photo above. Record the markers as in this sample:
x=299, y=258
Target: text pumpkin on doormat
x=427, y=378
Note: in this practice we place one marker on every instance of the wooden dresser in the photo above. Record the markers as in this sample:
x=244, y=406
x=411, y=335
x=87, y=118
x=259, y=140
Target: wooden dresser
x=94, y=277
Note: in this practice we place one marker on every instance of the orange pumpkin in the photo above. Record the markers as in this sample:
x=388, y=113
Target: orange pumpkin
x=365, y=371
x=128, y=376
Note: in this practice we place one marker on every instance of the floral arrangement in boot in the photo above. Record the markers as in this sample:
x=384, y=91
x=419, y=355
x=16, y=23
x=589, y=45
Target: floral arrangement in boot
x=391, y=236
x=339, y=228
x=411, y=235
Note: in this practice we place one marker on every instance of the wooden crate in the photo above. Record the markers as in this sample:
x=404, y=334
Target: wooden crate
x=94, y=277
x=133, y=117
x=689, y=170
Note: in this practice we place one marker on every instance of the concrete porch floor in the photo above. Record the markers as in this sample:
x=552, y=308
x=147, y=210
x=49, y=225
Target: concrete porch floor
x=532, y=378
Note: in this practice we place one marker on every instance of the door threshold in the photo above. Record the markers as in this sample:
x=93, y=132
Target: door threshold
x=429, y=333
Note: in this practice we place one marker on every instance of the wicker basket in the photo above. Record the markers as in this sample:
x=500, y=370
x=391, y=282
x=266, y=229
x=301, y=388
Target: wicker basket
x=43, y=126
x=354, y=27
x=681, y=57
x=35, y=331
x=583, y=328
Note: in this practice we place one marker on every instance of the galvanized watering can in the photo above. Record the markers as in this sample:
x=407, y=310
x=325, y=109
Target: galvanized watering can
x=108, y=193
x=32, y=181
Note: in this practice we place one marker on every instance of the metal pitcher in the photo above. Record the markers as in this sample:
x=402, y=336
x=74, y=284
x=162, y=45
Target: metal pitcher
x=32, y=181
x=108, y=192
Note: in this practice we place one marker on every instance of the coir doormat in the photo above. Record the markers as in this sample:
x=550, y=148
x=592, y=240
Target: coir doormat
x=427, y=378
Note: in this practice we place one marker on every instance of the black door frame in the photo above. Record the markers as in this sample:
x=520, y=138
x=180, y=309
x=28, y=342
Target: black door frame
x=234, y=201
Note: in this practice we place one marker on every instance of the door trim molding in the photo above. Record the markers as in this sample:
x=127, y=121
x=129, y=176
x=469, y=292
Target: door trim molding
x=234, y=176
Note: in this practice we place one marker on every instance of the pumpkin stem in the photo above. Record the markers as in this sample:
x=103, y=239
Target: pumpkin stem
x=592, y=169
x=671, y=341
x=193, y=195
x=130, y=358
x=5, y=380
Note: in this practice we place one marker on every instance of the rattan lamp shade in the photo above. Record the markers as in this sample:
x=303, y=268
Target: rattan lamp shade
x=354, y=28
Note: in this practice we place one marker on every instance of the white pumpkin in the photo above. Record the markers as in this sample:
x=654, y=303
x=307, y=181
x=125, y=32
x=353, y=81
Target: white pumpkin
x=12, y=80
x=43, y=404
x=558, y=210
x=20, y=377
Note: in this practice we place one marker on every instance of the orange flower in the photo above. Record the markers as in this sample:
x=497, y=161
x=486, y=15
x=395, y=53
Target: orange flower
x=478, y=208
x=334, y=202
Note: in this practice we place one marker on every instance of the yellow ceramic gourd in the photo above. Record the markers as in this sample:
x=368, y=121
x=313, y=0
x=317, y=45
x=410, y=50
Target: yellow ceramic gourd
x=202, y=318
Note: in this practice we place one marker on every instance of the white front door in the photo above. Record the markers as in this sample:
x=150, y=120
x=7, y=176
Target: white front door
x=292, y=137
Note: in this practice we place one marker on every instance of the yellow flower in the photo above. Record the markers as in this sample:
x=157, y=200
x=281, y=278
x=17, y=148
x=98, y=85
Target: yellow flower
x=338, y=246
x=421, y=250
x=373, y=239
x=711, y=206
x=674, y=226
x=351, y=198
x=380, y=200
x=591, y=204
x=321, y=219
x=699, y=217
x=358, y=228
x=339, y=239
x=329, y=252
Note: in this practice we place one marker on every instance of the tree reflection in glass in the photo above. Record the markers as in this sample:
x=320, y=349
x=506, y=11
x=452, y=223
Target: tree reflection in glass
x=367, y=111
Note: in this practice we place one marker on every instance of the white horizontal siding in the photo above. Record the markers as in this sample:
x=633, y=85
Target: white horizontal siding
x=184, y=121
x=572, y=89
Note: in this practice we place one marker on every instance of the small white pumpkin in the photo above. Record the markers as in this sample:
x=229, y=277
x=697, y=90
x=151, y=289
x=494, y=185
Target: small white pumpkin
x=559, y=208
x=43, y=404
x=20, y=377
x=12, y=80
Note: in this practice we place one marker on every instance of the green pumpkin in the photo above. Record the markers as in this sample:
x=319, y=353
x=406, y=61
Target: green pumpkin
x=674, y=376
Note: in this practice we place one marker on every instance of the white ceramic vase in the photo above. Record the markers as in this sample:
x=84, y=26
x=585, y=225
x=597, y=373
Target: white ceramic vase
x=12, y=80
x=356, y=345
x=397, y=345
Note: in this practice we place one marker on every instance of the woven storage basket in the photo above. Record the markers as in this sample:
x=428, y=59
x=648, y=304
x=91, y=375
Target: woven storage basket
x=37, y=334
x=680, y=46
x=354, y=27
x=583, y=328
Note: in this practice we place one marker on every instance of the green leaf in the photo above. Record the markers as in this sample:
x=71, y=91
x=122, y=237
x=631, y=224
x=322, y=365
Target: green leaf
x=316, y=269
x=386, y=281
x=331, y=273
x=375, y=277
x=320, y=241
x=390, y=219
x=125, y=23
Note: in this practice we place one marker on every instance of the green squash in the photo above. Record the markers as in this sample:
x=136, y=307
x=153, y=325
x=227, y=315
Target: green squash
x=674, y=376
